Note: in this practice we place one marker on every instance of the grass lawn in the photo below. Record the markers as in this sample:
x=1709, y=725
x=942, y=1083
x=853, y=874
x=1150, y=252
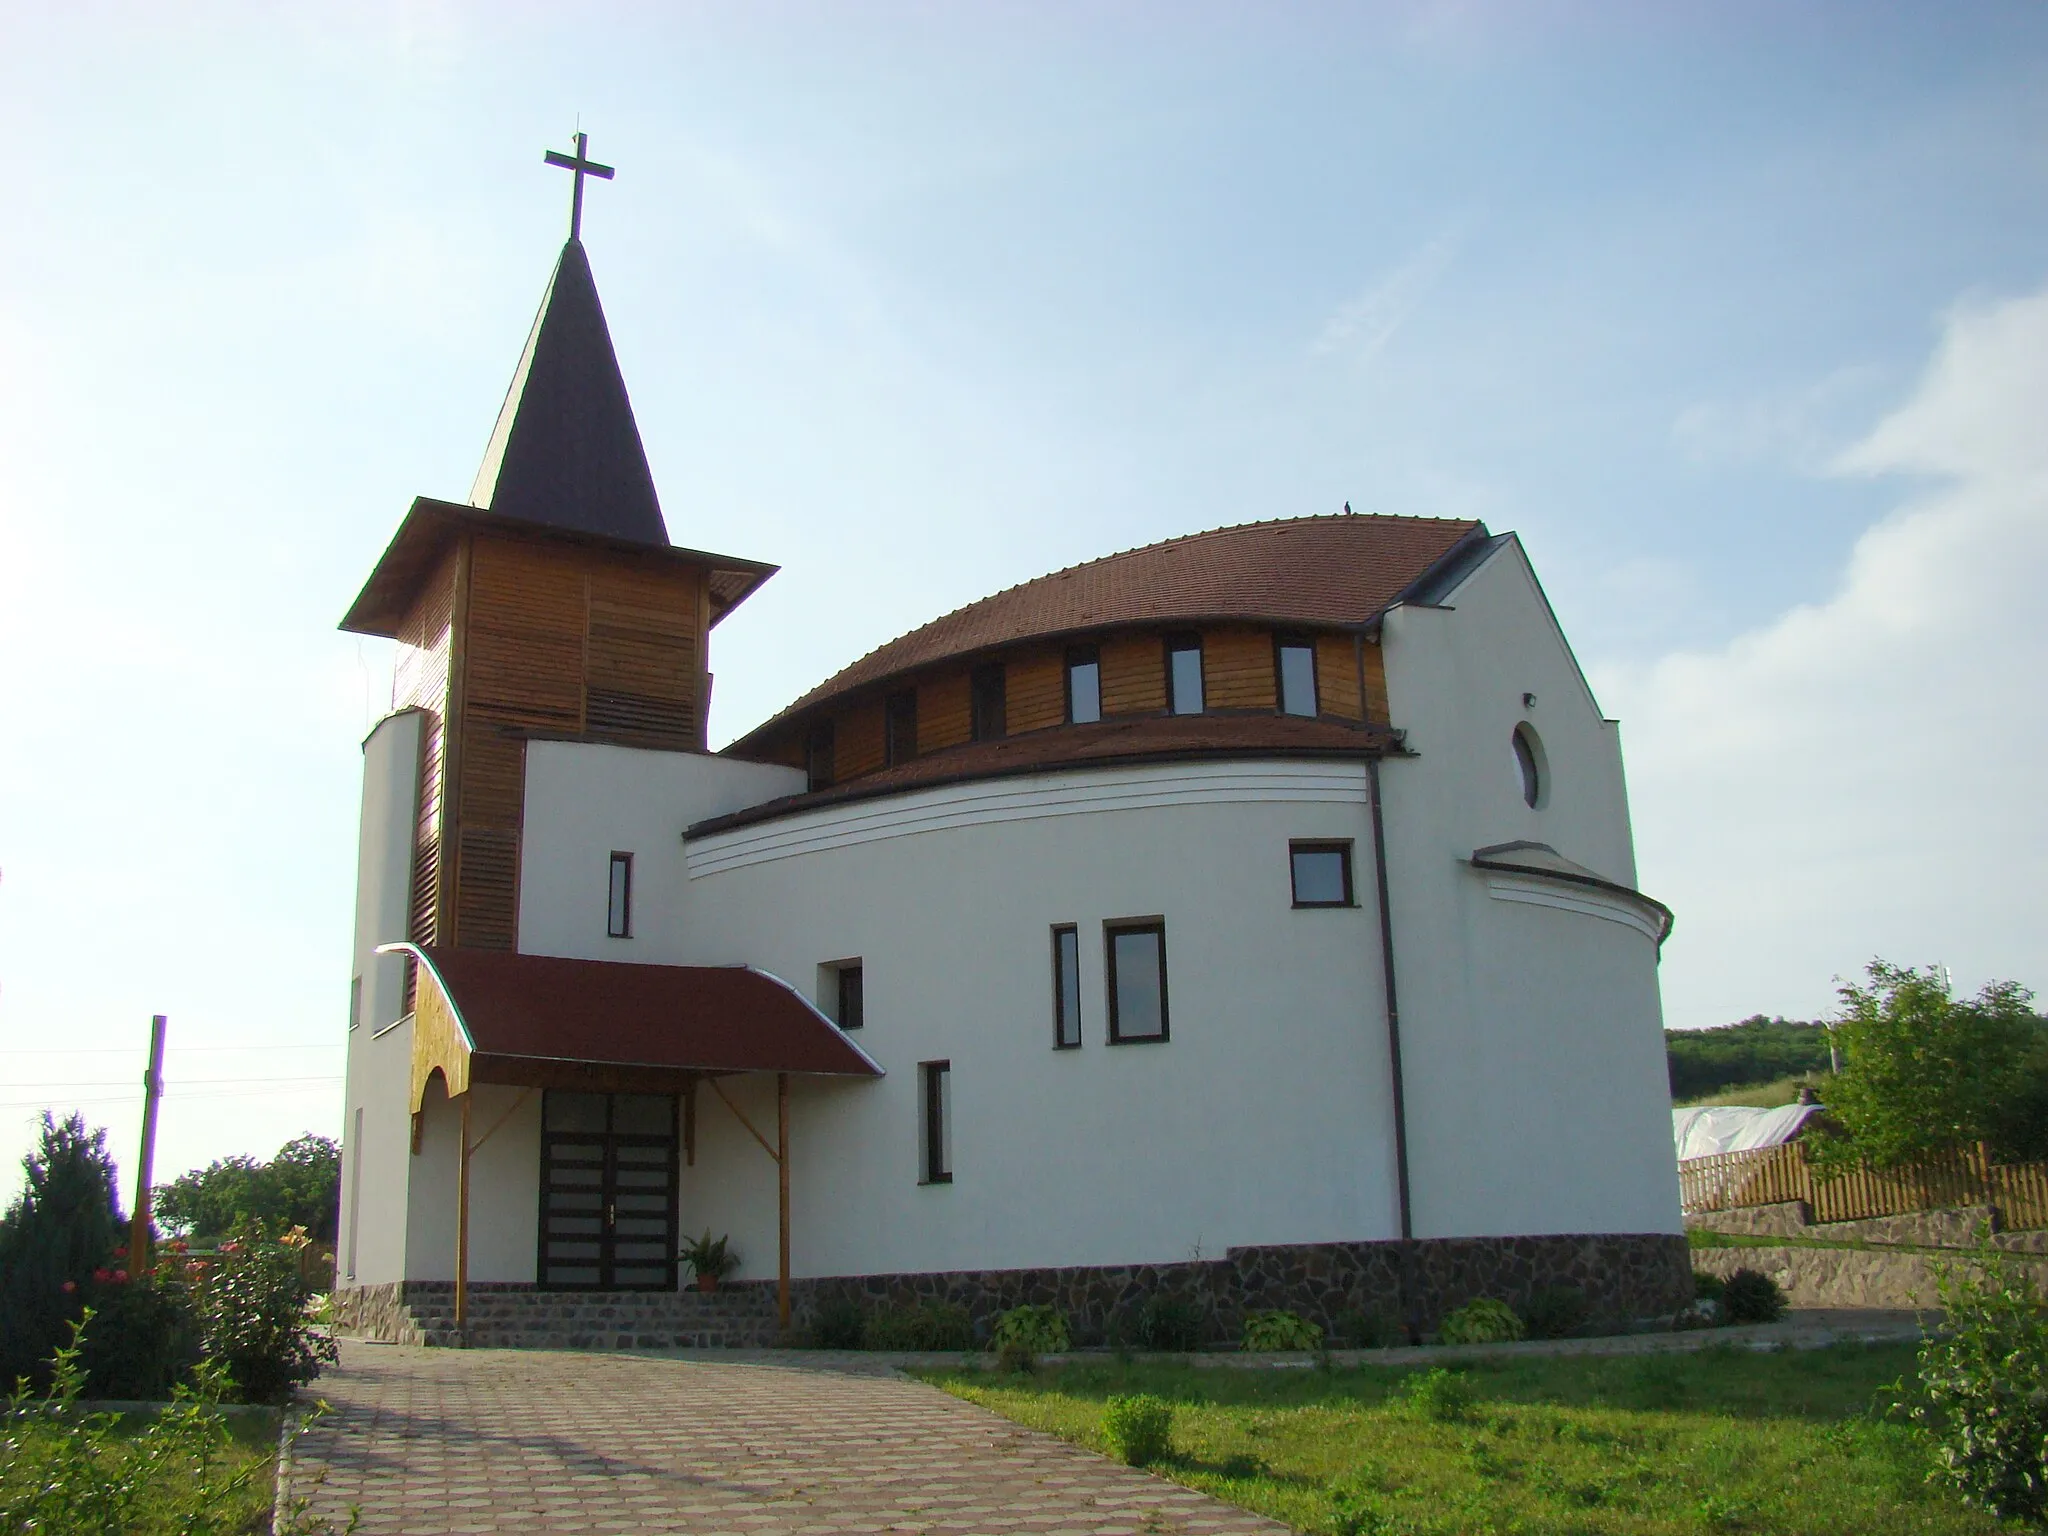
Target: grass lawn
x=1722, y=1440
x=229, y=1493
x=1771, y=1095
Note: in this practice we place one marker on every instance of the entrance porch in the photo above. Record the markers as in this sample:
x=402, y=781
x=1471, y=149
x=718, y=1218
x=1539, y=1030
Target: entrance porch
x=616, y=1056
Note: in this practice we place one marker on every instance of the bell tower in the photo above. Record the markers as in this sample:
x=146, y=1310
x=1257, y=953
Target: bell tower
x=551, y=603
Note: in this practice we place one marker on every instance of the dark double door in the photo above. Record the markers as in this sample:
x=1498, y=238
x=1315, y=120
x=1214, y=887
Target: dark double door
x=608, y=1192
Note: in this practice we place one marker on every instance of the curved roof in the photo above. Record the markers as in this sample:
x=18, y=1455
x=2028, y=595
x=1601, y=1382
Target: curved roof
x=1344, y=569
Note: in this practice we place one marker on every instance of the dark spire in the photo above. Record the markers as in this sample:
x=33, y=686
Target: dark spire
x=566, y=451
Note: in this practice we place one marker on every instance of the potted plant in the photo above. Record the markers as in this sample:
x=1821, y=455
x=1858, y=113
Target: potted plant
x=710, y=1258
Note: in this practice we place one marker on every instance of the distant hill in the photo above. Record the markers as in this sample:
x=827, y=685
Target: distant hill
x=1758, y=1050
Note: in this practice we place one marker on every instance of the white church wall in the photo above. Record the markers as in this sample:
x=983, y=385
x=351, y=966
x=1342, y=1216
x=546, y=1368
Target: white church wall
x=583, y=803
x=504, y=1183
x=1265, y=1118
x=375, y=1132
x=1531, y=1036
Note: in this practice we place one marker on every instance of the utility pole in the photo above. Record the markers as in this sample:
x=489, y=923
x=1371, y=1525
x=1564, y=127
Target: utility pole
x=152, y=1090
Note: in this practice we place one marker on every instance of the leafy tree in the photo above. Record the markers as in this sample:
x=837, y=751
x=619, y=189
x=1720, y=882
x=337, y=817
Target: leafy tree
x=1757, y=1050
x=1923, y=1071
x=63, y=1226
x=300, y=1187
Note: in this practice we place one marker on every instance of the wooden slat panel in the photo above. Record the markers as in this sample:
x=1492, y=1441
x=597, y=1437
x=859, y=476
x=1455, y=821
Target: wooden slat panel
x=943, y=718
x=857, y=741
x=1037, y=689
x=487, y=897
x=525, y=647
x=1376, y=704
x=635, y=720
x=493, y=777
x=1134, y=675
x=1337, y=658
x=1237, y=667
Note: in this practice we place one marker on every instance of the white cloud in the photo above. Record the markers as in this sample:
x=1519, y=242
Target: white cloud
x=1801, y=428
x=1364, y=324
x=1864, y=775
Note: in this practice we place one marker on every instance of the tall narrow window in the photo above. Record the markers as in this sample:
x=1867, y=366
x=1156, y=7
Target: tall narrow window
x=1321, y=874
x=355, y=1187
x=1294, y=660
x=1136, y=955
x=852, y=1000
x=899, y=740
x=818, y=745
x=1084, y=685
x=935, y=1117
x=355, y=1002
x=1184, y=674
x=618, y=920
x=1529, y=765
x=1066, y=987
x=989, y=688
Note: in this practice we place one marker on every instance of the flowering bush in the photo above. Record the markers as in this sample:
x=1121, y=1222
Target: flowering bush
x=143, y=1341
x=254, y=1325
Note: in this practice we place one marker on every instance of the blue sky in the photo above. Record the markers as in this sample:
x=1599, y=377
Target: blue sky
x=1730, y=310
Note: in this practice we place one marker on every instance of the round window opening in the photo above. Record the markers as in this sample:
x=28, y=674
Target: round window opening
x=1529, y=765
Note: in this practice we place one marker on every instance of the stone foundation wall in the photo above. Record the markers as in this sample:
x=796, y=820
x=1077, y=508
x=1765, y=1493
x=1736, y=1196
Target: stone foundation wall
x=1846, y=1277
x=1958, y=1227
x=1403, y=1285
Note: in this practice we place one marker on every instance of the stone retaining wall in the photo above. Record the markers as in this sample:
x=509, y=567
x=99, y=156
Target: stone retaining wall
x=1845, y=1277
x=1956, y=1228
x=1411, y=1285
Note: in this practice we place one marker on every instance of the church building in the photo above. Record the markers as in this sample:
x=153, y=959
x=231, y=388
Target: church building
x=1250, y=917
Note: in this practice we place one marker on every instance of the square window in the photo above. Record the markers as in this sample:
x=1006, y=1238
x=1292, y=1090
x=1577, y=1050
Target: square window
x=618, y=921
x=852, y=1006
x=818, y=753
x=1321, y=874
x=989, y=687
x=1066, y=987
x=1184, y=674
x=1294, y=660
x=1084, y=685
x=935, y=1120
x=899, y=731
x=1136, y=956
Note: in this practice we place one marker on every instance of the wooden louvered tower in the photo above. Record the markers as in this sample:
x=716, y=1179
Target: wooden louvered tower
x=551, y=604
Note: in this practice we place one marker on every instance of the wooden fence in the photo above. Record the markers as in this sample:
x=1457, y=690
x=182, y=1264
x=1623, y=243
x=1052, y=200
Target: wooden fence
x=1769, y=1175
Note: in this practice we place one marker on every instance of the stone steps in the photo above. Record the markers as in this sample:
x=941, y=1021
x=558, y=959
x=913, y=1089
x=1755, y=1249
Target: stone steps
x=736, y=1318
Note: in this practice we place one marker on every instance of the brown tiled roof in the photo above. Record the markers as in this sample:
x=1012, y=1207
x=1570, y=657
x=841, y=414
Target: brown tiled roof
x=706, y=1018
x=1305, y=570
x=1144, y=738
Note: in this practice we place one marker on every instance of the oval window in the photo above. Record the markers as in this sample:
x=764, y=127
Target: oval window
x=1529, y=765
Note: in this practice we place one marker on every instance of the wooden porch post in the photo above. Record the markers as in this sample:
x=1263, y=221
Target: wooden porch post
x=462, y=1219
x=782, y=1181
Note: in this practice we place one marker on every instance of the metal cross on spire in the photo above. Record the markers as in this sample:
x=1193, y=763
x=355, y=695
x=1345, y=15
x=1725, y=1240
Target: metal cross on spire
x=582, y=166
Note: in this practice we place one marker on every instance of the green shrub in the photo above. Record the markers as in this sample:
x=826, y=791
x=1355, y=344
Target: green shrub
x=1169, y=1323
x=837, y=1324
x=1265, y=1332
x=927, y=1328
x=1022, y=1334
x=1750, y=1297
x=60, y=1228
x=1445, y=1396
x=1138, y=1428
x=144, y=1338
x=1706, y=1287
x=1370, y=1330
x=1484, y=1321
x=1556, y=1312
x=254, y=1324
x=1985, y=1375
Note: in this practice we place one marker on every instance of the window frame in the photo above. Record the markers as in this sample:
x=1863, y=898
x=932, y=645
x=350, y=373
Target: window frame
x=840, y=973
x=618, y=914
x=1077, y=656
x=1111, y=930
x=988, y=702
x=1291, y=640
x=1179, y=644
x=1341, y=846
x=821, y=745
x=1066, y=1031
x=935, y=1092
x=899, y=714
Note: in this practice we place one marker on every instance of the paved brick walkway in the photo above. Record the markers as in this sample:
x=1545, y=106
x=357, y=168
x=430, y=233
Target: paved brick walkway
x=443, y=1440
